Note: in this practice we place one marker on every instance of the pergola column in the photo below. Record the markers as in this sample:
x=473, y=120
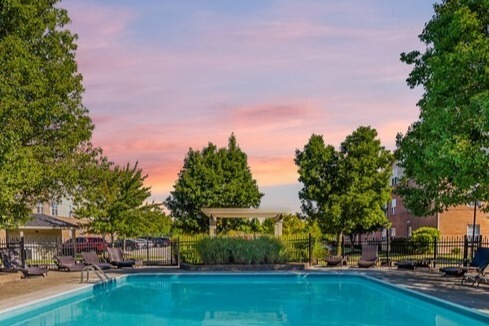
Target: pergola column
x=278, y=226
x=212, y=226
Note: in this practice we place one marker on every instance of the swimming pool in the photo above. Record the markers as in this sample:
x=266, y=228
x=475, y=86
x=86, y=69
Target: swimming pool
x=244, y=299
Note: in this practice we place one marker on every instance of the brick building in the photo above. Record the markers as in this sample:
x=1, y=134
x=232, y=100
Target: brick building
x=456, y=221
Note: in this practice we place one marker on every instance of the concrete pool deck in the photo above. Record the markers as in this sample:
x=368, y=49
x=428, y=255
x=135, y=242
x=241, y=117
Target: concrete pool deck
x=431, y=282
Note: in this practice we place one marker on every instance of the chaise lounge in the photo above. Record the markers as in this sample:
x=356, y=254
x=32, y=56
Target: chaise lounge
x=116, y=258
x=480, y=261
x=91, y=258
x=332, y=261
x=68, y=263
x=369, y=256
x=11, y=263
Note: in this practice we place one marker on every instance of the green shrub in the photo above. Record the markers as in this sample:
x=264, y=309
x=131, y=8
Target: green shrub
x=424, y=239
x=225, y=250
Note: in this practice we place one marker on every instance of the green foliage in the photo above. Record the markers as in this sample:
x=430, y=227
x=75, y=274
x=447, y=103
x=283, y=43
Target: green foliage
x=212, y=177
x=424, y=239
x=444, y=154
x=422, y=242
x=43, y=123
x=292, y=224
x=113, y=200
x=345, y=190
x=225, y=250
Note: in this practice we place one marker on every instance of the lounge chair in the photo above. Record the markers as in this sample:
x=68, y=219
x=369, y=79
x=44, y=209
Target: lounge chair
x=91, y=258
x=480, y=261
x=11, y=263
x=68, y=263
x=116, y=258
x=369, y=256
x=413, y=264
x=336, y=260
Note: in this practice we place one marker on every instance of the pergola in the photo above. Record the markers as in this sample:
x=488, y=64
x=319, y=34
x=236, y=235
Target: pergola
x=248, y=213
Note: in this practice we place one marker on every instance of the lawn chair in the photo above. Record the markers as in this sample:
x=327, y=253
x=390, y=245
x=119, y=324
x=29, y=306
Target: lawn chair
x=68, y=263
x=333, y=260
x=369, y=256
x=116, y=258
x=11, y=263
x=480, y=261
x=91, y=258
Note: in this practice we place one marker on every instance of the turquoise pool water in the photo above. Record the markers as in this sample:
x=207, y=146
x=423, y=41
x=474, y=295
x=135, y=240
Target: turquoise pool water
x=244, y=299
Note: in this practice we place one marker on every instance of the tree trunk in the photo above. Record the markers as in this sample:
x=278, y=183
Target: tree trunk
x=338, y=243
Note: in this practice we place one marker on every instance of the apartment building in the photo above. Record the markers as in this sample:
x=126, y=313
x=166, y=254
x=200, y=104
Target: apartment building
x=456, y=221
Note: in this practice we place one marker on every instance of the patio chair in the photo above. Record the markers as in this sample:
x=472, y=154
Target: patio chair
x=91, y=258
x=369, y=256
x=413, y=264
x=480, y=261
x=116, y=258
x=332, y=261
x=11, y=263
x=68, y=264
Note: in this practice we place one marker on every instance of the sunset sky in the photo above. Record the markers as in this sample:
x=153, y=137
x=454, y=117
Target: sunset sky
x=164, y=76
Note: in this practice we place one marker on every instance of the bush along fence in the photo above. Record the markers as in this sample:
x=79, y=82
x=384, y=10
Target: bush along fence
x=302, y=248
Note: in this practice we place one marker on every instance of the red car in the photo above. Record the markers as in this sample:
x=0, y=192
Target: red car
x=84, y=244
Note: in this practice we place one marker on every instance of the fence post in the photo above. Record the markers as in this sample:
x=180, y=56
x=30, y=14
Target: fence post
x=310, y=250
x=22, y=251
x=342, y=245
x=178, y=252
x=388, y=248
x=147, y=251
x=435, y=248
x=466, y=250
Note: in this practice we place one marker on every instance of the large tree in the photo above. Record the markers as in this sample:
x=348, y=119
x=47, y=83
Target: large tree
x=345, y=190
x=113, y=200
x=212, y=177
x=445, y=153
x=42, y=120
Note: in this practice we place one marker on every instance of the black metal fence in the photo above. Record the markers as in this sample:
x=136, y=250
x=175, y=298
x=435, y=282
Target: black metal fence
x=40, y=252
x=446, y=251
x=300, y=248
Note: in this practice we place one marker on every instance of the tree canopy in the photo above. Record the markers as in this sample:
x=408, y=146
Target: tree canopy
x=445, y=153
x=212, y=177
x=345, y=190
x=43, y=122
x=113, y=200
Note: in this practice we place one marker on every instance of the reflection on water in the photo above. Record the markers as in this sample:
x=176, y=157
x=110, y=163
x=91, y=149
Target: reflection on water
x=245, y=300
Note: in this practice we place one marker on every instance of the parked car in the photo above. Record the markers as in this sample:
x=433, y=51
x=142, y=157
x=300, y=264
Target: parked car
x=143, y=243
x=84, y=244
x=127, y=244
x=161, y=242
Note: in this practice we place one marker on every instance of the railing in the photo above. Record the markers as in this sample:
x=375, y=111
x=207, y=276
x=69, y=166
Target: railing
x=446, y=251
x=441, y=252
x=39, y=252
x=97, y=271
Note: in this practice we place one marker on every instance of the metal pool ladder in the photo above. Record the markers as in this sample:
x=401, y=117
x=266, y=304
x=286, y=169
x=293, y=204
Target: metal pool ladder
x=97, y=271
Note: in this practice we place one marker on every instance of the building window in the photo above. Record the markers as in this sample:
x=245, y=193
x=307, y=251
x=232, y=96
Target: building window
x=470, y=229
x=70, y=211
x=393, y=207
x=394, y=178
x=54, y=208
x=393, y=232
x=40, y=208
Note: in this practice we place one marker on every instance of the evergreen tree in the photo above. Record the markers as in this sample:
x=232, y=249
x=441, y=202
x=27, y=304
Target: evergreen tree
x=444, y=154
x=212, y=177
x=43, y=124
